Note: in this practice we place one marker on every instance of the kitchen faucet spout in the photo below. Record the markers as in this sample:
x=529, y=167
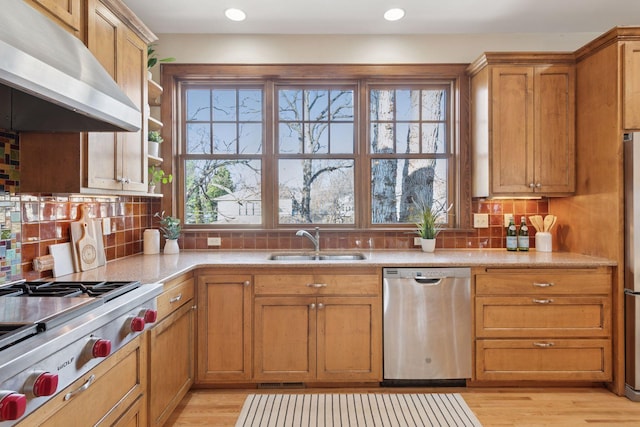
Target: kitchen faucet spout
x=315, y=240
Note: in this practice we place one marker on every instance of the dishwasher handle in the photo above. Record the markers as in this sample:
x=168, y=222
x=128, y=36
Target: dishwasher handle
x=429, y=281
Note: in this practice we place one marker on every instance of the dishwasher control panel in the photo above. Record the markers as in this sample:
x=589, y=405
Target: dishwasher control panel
x=425, y=273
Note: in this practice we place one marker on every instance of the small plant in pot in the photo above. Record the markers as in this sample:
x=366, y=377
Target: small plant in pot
x=158, y=176
x=170, y=228
x=154, y=139
x=427, y=225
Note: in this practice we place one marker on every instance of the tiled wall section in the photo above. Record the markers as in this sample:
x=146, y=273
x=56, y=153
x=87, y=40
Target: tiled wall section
x=9, y=160
x=492, y=237
x=47, y=220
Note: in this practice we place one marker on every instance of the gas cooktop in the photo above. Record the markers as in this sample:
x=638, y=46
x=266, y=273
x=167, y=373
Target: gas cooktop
x=106, y=290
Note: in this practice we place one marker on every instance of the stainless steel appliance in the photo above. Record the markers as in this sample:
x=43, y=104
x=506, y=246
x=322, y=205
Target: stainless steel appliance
x=427, y=324
x=50, y=81
x=632, y=265
x=52, y=333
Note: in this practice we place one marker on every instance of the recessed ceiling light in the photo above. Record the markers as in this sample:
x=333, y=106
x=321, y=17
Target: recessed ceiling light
x=235, y=14
x=394, y=14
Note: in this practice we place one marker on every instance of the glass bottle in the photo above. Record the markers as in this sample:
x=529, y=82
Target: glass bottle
x=523, y=236
x=512, y=236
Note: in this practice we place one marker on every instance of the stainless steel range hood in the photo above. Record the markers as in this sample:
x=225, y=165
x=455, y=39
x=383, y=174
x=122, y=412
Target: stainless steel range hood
x=51, y=82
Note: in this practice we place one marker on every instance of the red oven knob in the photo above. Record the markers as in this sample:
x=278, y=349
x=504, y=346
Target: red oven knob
x=150, y=316
x=137, y=324
x=101, y=348
x=45, y=384
x=12, y=405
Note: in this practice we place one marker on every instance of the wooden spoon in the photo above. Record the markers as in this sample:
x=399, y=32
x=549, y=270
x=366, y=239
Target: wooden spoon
x=548, y=222
x=536, y=221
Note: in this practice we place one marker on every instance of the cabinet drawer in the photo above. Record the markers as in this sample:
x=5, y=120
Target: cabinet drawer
x=173, y=298
x=548, y=360
x=116, y=384
x=317, y=284
x=510, y=317
x=579, y=282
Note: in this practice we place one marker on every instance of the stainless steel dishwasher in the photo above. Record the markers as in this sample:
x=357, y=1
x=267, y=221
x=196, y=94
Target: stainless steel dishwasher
x=427, y=324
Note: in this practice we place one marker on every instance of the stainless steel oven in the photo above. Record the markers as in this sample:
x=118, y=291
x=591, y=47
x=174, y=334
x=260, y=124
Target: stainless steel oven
x=51, y=333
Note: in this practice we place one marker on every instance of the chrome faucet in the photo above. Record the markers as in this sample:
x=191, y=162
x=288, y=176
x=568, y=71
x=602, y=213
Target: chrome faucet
x=315, y=240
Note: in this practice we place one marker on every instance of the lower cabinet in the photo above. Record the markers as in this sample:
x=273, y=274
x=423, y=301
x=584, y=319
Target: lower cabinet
x=544, y=324
x=224, y=327
x=318, y=327
x=171, y=344
x=116, y=395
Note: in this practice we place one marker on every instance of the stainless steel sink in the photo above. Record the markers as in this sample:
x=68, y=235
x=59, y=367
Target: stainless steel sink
x=329, y=256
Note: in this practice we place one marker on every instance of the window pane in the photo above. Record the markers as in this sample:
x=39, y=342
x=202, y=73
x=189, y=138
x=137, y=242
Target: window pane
x=407, y=105
x=382, y=105
x=316, y=191
x=199, y=138
x=434, y=138
x=224, y=138
x=342, y=105
x=316, y=138
x=408, y=138
x=224, y=105
x=397, y=183
x=382, y=138
x=250, y=108
x=316, y=106
x=341, y=138
x=198, y=104
x=289, y=104
x=250, y=138
x=290, y=138
x=434, y=104
x=223, y=191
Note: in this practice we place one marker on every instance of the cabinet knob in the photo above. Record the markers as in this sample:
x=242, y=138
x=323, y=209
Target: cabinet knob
x=247, y=283
x=532, y=185
x=538, y=185
x=312, y=306
x=320, y=306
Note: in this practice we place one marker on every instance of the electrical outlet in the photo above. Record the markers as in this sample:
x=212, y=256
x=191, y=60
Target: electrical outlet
x=214, y=241
x=480, y=220
x=507, y=218
x=417, y=241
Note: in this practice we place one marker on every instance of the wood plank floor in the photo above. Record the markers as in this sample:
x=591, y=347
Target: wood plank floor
x=493, y=407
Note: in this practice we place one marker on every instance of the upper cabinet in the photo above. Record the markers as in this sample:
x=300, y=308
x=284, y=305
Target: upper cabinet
x=631, y=84
x=98, y=162
x=66, y=13
x=523, y=125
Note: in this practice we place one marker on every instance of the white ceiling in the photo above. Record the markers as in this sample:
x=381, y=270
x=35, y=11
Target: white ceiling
x=365, y=16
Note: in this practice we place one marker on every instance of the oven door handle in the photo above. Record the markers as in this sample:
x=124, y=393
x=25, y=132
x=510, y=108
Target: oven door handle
x=84, y=386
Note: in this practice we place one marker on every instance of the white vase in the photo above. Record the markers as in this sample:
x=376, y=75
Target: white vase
x=428, y=245
x=153, y=148
x=171, y=246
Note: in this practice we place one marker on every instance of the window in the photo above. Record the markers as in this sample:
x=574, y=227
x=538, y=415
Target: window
x=271, y=150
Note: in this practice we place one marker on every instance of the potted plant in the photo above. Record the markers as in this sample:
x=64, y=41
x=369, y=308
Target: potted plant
x=427, y=224
x=154, y=139
x=152, y=58
x=170, y=228
x=158, y=176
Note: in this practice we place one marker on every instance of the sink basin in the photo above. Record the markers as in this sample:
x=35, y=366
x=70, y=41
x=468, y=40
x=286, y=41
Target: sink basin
x=317, y=257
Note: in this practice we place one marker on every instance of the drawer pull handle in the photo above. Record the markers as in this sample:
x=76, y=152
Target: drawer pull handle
x=84, y=386
x=176, y=298
x=317, y=285
x=543, y=344
x=543, y=285
x=542, y=301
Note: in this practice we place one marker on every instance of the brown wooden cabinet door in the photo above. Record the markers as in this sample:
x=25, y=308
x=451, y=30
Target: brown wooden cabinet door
x=631, y=85
x=117, y=160
x=348, y=341
x=512, y=154
x=285, y=339
x=170, y=363
x=554, y=134
x=66, y=13
x=224, y=328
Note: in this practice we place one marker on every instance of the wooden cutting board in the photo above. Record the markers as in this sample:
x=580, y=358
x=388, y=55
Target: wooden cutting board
x=94, y=229
x=87, y=249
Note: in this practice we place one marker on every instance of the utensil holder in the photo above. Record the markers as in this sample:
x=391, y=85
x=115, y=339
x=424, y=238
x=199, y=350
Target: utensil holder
x=543, y=241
